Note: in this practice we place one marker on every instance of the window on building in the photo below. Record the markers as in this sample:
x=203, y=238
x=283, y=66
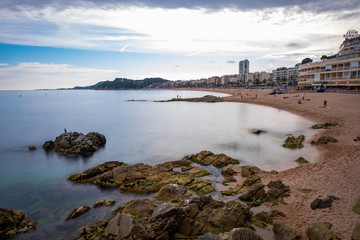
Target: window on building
x=317, y=77
x=328, y=68
x=353, y=75
x=354, y=65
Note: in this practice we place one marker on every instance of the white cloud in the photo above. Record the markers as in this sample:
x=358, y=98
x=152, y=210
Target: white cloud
x=34, y=75
x=3, y=64
x=182, y=31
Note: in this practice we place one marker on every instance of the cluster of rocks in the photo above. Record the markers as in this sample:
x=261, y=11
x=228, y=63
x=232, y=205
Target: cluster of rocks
x=294, y=142
x=173, y=213
x=14, y=222
x=206, y=98
x=143, y=178
x=206, y=158
x=74, y=143
x=252, y=190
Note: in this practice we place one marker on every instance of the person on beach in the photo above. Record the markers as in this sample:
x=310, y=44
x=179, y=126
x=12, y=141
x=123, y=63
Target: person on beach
x=325, y=102
x=303, y=97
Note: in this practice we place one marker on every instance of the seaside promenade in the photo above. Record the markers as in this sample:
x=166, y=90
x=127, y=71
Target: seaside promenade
x=336, y=172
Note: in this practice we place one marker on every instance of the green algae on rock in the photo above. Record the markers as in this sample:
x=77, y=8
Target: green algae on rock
x=294, y=142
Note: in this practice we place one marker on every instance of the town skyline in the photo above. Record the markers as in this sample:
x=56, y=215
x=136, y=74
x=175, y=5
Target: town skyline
x=48, y=44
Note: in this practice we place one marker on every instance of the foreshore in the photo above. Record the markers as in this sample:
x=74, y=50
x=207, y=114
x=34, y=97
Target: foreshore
x=336, y=172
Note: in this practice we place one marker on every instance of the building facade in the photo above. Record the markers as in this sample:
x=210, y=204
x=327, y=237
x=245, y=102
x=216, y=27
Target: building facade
x=243, y=71
x=288, y=75
x=340, y=71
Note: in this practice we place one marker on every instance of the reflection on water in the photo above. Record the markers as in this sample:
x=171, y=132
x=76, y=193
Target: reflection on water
x=136, y=131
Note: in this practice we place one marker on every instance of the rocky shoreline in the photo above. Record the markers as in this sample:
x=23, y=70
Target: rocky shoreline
x=180, y=210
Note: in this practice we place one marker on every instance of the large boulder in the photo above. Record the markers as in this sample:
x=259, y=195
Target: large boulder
x=74, y=143
x=324, y=140
x=284, y=232
x=294, y=142
x=13, y=222
x=321, y=231
x=123, y=226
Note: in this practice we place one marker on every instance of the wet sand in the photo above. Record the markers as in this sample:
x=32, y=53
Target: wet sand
x=336, y=172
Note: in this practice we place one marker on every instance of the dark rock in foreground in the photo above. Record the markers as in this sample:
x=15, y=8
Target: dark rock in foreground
x=207, y=98
x=321, y=231
x=76, y=212
x=323, y=202
x=181, y=215
x=143, y=178
x=74, y=143
x=292, y=142
x=13, y=222
x=324, y=125
x=324, y=140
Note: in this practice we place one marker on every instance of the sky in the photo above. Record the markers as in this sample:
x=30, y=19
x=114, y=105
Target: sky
x=61, y=43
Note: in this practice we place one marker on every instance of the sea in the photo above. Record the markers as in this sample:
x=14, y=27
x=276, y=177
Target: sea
x=138, y=129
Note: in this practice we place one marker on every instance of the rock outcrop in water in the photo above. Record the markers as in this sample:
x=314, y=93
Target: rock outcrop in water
x=74, y=143
x=206, y=158
x=207, y=98
x=13, y=222
x=294, y=142
x=76, y=212
x=143, y=178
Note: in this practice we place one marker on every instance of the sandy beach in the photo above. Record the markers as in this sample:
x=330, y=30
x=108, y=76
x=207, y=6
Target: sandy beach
x=336, y=172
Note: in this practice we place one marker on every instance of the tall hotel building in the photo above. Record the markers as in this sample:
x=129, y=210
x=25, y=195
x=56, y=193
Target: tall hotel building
x=343, y=70
x=243, y=71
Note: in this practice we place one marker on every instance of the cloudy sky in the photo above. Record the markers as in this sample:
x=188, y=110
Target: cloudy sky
x=60, y=43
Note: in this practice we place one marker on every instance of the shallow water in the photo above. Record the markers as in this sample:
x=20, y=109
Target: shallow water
x=136, y=131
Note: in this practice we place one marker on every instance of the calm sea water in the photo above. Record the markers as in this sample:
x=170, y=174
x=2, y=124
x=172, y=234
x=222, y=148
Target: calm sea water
x=136, y=131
